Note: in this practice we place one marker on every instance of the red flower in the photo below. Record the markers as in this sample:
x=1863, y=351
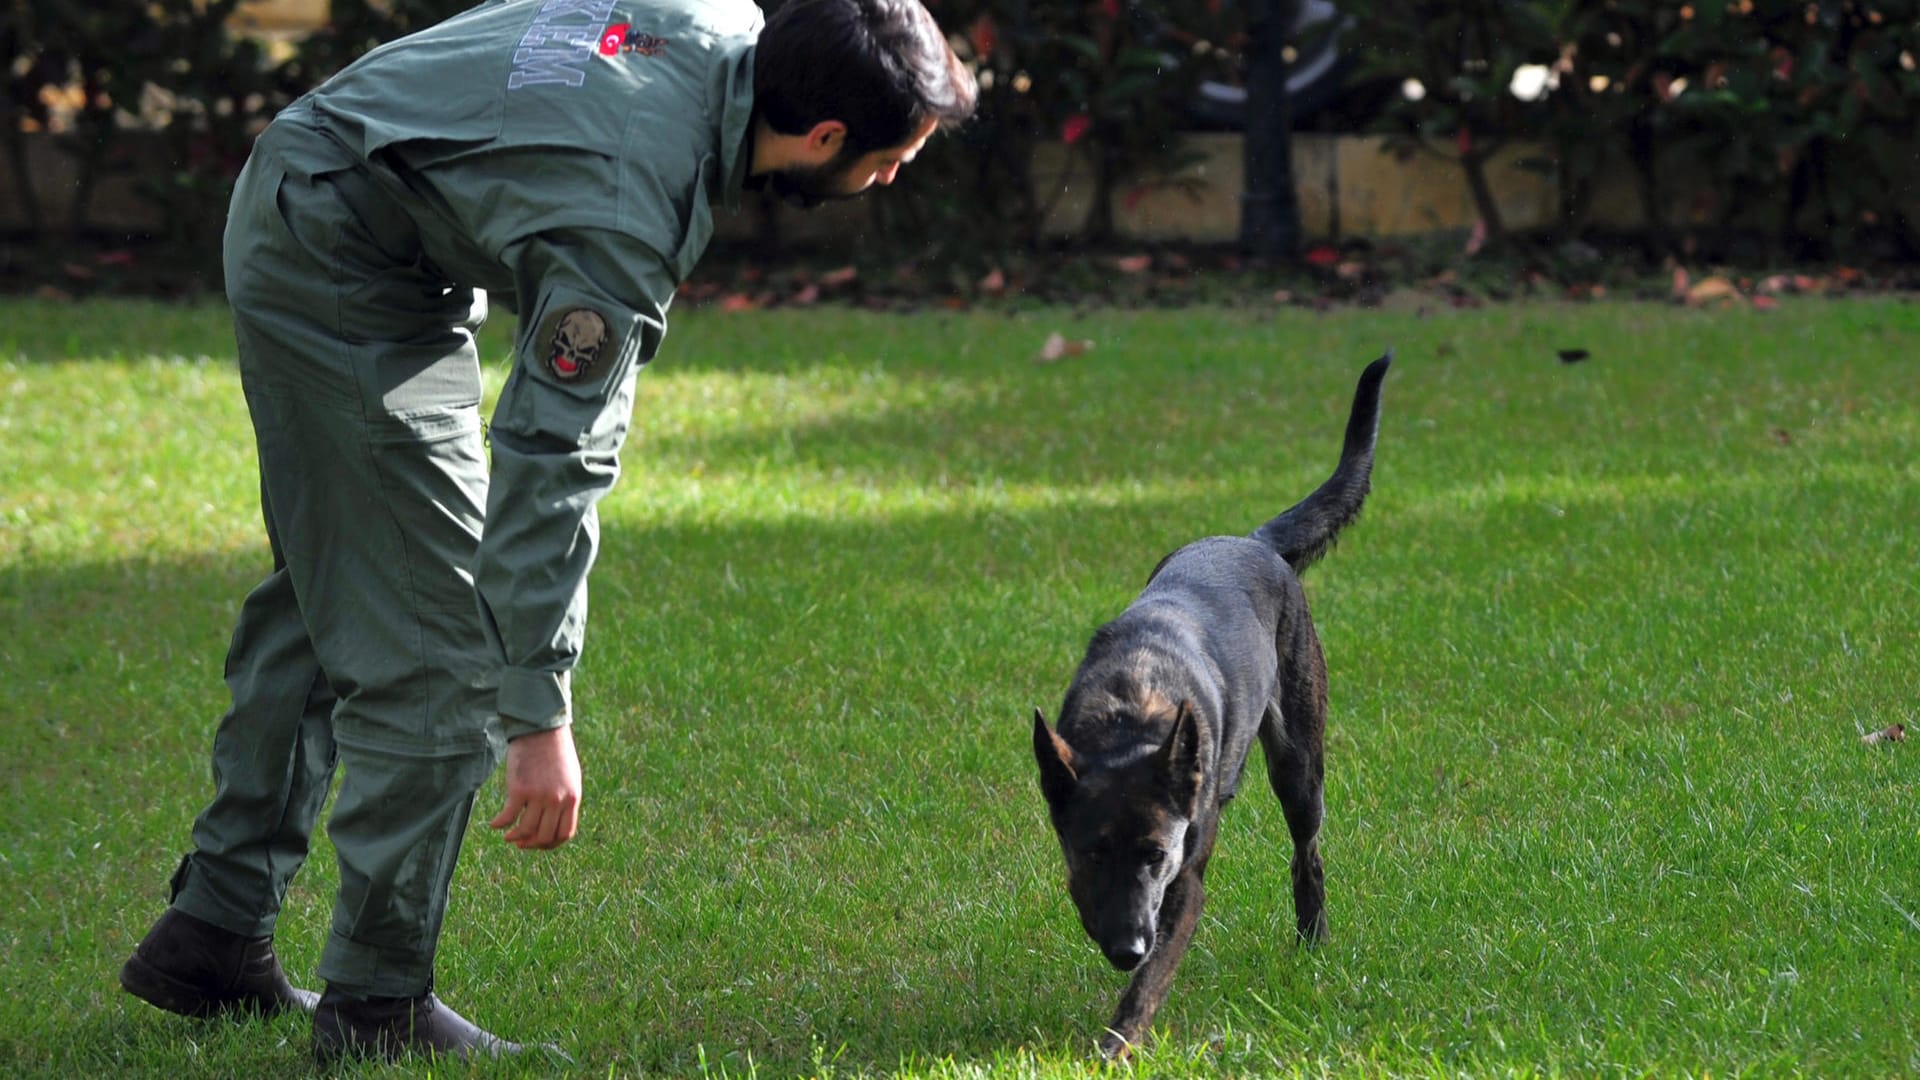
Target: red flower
x=985, y=35
x=1075, y=128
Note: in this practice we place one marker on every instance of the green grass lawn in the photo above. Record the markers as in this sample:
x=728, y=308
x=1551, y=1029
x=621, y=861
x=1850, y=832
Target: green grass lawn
x=1602, y=649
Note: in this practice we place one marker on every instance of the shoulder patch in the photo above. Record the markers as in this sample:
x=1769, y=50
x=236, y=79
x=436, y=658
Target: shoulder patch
x=578, y=338
x=623, y=38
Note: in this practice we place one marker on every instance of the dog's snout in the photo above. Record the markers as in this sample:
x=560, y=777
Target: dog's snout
x=1127, y=953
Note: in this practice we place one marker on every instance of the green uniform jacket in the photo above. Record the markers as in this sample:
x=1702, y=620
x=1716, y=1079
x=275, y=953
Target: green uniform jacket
x=560, y=155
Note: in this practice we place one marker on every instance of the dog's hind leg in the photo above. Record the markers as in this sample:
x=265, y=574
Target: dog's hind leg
x=1295, y=769
x=1292, y=735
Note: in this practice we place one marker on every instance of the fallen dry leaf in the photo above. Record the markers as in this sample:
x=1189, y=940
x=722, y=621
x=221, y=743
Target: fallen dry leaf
x=833, y=279
x=1890, y=733
x=808, y=294
x=1058, y=347
x=1765, y=303
x=1133, y=264
x=1707, y=290
x=738, y=302
x=994, y=283
x=1782, y=284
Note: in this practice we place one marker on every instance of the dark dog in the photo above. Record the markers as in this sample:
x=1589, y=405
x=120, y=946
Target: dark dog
x=1155, y=729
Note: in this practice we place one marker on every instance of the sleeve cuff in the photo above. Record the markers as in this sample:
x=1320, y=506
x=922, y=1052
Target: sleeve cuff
x=532, y=700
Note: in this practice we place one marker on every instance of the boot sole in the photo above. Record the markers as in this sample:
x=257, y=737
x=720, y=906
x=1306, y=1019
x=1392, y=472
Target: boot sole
x=163, y=991
x=333, y=1044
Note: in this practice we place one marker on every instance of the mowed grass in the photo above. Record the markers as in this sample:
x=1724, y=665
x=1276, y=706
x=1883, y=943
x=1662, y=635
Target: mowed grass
x=1602, y=648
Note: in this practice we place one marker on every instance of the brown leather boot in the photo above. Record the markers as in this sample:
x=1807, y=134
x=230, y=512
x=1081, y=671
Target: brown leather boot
x=394, y=1027
x=189, y=966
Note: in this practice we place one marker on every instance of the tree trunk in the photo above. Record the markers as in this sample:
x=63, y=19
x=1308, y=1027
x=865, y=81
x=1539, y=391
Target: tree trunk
x=1474, y=162
x=23, y=178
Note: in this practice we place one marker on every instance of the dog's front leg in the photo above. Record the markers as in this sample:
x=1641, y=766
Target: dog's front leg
x=1179, y=914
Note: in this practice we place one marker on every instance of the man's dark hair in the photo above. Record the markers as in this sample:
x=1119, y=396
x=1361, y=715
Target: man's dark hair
x=881, y=67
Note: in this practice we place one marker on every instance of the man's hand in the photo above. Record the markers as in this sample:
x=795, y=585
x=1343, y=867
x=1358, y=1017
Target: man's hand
x=543, y=790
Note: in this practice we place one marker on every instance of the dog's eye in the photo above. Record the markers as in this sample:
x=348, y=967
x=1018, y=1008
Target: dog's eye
x=1156, y=860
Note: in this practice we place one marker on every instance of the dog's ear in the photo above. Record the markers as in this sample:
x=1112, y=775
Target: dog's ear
x=1057, y=773
x=1179, y=756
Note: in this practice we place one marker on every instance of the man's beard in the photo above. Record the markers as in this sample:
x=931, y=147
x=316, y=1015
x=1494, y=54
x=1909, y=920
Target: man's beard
x=806, y=187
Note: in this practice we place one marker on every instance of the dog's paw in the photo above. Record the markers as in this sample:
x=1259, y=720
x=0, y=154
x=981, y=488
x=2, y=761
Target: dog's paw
x=1114, y=1047
x=1313, y=933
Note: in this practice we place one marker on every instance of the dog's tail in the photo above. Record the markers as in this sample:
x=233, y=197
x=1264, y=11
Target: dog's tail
x=1306, y=530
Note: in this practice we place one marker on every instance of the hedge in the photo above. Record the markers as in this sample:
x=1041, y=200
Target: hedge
x=1800, y=116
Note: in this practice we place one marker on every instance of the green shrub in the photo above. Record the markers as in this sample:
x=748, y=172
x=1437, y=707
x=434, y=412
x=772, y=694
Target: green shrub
x=1789, y=118
x=1459, y=61
x=1106, y=81
x=164, y=65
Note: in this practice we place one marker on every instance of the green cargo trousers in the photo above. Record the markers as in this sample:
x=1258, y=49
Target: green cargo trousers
x=364, y=647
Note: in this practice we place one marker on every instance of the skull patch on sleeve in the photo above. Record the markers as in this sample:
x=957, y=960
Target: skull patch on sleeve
x=578, y=339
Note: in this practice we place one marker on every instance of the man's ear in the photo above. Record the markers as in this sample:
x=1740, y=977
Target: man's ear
x=1179, y=762
x=824, y=140
x=1058, y=777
